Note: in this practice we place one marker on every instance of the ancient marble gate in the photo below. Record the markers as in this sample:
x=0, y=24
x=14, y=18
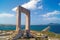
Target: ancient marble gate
x=18, y=22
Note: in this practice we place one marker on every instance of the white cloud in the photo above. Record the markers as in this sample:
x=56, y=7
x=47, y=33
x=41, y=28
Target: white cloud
x=50, y=17
x=31, y=5
x=51, y=14
x=14, y=9
x=40, y=7
x=6, y=15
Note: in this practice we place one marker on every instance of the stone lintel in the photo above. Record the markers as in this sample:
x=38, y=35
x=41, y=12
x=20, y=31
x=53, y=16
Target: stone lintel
x=24, y=10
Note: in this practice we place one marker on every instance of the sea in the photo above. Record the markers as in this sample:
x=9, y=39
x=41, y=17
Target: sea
x=53, y=28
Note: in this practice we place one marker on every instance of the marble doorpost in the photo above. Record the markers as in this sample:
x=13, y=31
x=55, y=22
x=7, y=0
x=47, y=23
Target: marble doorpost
x=18, y=19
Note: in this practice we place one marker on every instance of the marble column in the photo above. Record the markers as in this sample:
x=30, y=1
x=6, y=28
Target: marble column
x=27, y=27
x=18, y=19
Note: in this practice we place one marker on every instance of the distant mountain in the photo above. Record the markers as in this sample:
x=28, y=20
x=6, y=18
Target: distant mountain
x=6, y=24
x=53, y=24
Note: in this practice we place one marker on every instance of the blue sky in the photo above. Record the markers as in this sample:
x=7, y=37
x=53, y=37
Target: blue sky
x=41, y=11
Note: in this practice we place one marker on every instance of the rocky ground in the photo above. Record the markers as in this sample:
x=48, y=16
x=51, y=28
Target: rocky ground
x=43, y=35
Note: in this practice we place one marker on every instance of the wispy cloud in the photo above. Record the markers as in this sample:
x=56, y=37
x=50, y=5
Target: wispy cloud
x=14, y=9
x=40, y=7
x=51, y=14
x=6, y=15
x=50, y=17
x=32, y=4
